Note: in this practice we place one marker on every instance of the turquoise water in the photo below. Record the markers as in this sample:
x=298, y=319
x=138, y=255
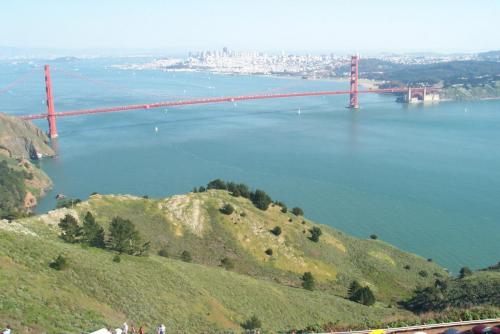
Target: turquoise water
x=426, y=179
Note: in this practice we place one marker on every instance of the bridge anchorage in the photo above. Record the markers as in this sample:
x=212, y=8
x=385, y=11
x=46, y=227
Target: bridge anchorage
x=412, y=95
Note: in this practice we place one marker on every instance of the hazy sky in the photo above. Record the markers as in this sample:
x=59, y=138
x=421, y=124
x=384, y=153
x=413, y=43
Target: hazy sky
x=271, y=25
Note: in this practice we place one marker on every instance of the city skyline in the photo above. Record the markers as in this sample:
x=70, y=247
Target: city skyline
x=270, y=26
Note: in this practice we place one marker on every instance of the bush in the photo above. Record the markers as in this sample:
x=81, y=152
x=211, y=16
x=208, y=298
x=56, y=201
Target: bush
x=217, y=184
x=117, y=258
x=308, y=281
x=227, y=209
x=186, y=256
x=202, y=189
x=407, y=267
x=464, y=272
x=252, y=323
x=59, y=263
x=276, y=231
x=423, y=273
x=227, y=263
x=269, y=251
x=163, y=252
x=364, y=296
x=373, y=236
x=67, y=203
x=353, y=288
x=260, y=199
x=297, y=211
x=315, y=234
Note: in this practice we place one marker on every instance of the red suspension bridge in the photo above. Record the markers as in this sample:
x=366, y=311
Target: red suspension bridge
x=353, y=93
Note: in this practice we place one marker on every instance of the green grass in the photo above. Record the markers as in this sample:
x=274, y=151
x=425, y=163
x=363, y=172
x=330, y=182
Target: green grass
x=95, y=291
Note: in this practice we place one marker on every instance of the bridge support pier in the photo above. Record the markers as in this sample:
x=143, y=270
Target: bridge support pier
x=51, y=114
x=353, y=90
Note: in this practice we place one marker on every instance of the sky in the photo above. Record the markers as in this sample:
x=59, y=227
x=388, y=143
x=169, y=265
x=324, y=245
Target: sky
x=264, y=25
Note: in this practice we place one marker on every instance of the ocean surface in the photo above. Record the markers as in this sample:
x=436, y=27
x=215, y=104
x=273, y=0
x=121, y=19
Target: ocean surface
x=426, y=179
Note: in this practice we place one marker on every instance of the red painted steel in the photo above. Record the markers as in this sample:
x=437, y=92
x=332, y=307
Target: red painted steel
x=353, y=94
x=51, y=114
x=214, y=100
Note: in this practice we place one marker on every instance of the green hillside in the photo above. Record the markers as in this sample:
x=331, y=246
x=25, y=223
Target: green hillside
x=202, y=295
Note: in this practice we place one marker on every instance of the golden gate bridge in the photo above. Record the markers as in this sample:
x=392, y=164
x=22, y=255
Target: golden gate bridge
x=353, y=93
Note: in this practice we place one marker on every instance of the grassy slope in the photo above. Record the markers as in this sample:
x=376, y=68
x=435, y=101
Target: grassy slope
x=95, y=291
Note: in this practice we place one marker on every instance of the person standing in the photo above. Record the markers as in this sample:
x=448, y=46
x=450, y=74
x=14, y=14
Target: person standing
x=7, y=330
x=125, y=328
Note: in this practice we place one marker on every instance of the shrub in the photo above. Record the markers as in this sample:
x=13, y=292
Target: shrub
x=59, y=263
x=353, y=288
x=464, y=272
x=227, y=209
x=315, y=234
x=67, y=203
x=243, y=214
x=276, y=231
x=145, y=197
x=407, y=267
x=71, y=232
x=260, y=199
x=429, y=260
x=269, y=251
x=373, y=236
x=217, y=184
x=252, y=323
x=227, y=263
x=186, y=256
x=297, y=211
x=117, y=258
x=163, y=252
x=308, y=281
x=202, y=189
x=423, y=273
x=364, y=296
x=283, y=206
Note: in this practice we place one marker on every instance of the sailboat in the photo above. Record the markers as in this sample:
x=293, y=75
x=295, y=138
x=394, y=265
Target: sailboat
x=298, y=111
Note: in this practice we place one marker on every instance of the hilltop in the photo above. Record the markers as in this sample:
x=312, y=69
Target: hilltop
x=202, y=295
x=22, y=181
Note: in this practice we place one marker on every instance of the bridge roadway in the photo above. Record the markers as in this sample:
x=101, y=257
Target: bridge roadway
x=213, y=100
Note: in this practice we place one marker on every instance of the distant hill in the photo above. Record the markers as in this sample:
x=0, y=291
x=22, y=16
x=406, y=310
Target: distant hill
x=490, y=55
x=22, y=182
x=202, y=295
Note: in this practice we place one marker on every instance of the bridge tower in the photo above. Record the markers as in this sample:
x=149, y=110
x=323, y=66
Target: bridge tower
x=51, y=114
x=353, y=91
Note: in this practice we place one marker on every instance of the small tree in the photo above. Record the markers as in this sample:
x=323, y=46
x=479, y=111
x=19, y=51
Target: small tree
x=59, y=263
x=186, y=256
x=71, y=231
x=93, y=233
x=124, y=238
x=315, y=233
x=373, y=236
x=464, y=272
x=252, y=323
x=407, y=267
x=269, y=251
x=227, y=263
x=227, y=209
x=353, y=288
x=364, y=296
x=308, y=281
x=276, y=231
x=297, y=211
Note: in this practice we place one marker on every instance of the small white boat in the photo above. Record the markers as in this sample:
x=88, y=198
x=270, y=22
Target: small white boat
x=156, y=129
x=298, y=111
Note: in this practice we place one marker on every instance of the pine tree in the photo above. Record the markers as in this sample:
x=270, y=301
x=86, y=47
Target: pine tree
x=124, y=238
x=93, y=233
x=364, y=296
x=71, y=232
